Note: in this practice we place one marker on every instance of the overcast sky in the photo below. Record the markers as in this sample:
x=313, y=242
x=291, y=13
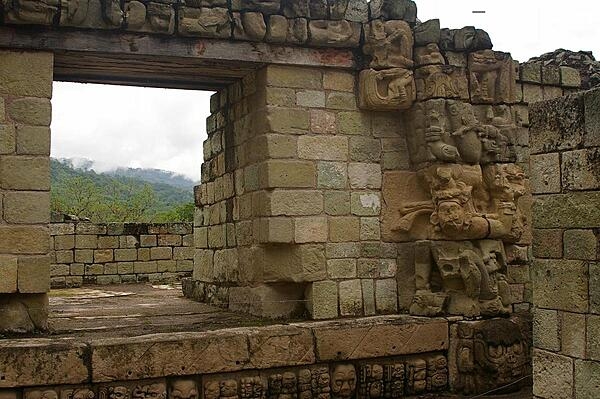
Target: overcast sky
x=164, y=129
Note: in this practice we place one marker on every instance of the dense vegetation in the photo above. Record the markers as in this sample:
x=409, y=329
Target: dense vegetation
x=141, y=196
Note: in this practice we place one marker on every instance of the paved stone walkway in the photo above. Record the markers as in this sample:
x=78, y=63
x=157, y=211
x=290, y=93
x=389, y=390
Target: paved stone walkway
x=131, y=310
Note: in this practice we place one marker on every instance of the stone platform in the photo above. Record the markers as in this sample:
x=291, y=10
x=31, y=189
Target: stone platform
x=144, y=338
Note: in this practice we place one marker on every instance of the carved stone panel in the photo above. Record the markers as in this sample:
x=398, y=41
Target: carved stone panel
x=389, y=44
x=205, y=22
x=334, y=33
x=95, y=14
x=487, y=355
x=465, y=278
x=385, y=90
x=182, y=389
x=39, y=12
x=454, y=131
x=343, y=381
x=249, y=26
x=492, y=77
x=441, y=81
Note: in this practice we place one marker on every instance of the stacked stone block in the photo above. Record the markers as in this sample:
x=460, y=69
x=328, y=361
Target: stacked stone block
x=88, y=253
x=539, y=82
x=565, y=143
x=25, y=113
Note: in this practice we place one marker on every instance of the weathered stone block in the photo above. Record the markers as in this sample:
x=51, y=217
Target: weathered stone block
x=34, y=274
x=104, y=255
x=337, y=203
x=27, y=207
x=322, y=122
x=25, y=173
x=365, y=203
x=553, y=375
x=326, y=148
x=341, y=268
x=342, y=250
x=301, y=78
x=569, y=77
x=280, y=346
x=287, y=173
x=364, y=175
x=310, y=98
x=24, y=239
x=341, y=101
x=30, y=111
x=545, y=329
x=344, y=228
x=295, y=202
x=580, y=244
x=593, y=337
x=531, y=72
x=353, y=123
x=287, y=120
x=587, y=383
x=322, y=299
x=545, y=173
x=8, y=274
x=351, y=301
x=123, y=255
x=580, y=169
x=362, y=339
x=547, y=243
x=310, y=229
x=573, y=210
x=84, y=255
x=560, y=284
x=364, y=149
x=550, y=75
x=338, y=81
x=332, y=175
x=33, y=140
x=592, y=118
x=386, y=296
x=105, y=242
x=159, y=253
x=27, y=74
x=557, y=124
x=369, y=229
x=572, y=334
x=8, y=139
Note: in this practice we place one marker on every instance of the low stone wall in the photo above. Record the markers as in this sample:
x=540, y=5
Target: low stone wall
x=565, y=146
x=88, y=253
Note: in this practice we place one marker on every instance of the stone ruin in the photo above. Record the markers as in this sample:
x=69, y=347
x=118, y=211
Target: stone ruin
x=359, y=163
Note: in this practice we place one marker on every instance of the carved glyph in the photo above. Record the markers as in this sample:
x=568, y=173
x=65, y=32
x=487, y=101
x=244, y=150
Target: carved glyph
x=205, y=22
x=492, y=77
x=429, y=55
x=153, y=17
x=329, y=33
x=441, y=81
x=388, y=89
x=249, y=26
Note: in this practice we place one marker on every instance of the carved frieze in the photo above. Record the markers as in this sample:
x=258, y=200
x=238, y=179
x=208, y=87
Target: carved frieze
x=441, y=81
x=343, y=381
x=39, y=12
x=151, y=17
x=329, y=33
x=205, y=22
x=385, y=90
x=283, y=30
x=182, y=389
x=95, y=14
x=490, y=354
x=389, y=44
x=492, y=77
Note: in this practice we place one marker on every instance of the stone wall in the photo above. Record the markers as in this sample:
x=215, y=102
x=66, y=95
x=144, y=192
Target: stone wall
x=25, y=113
x=89, y=253
x=565, y=146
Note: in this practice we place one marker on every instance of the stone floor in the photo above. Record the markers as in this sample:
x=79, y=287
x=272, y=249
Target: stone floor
x=131, y=310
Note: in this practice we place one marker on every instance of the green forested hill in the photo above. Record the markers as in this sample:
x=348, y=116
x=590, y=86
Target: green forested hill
x=112, y=198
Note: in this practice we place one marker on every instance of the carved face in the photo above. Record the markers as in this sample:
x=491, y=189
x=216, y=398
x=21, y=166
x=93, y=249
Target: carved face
x=212, y=390
x=288, y=380
x=118, y=393
x=229, y=388
x=451, y=214
x=184, y=389
x=343, y=381
x=83, y=394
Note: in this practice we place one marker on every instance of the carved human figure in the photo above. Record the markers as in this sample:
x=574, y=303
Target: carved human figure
x=343, y=381
x=289, y=386
x=390, y=44
x=251, y=388
x=416, y=377
x=491, y=77
x=466, y=131
x=118, y=392
x=31, y=11
x=205, y=22
x=150, y=391
x=304, y=384
x=340, y=33
x=229, y=389
x=184, y=389
x=440, y=81
x=321, y=383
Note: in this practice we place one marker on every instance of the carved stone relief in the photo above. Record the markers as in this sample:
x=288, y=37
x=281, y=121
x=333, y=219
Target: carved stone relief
x=429, y=55
x=389, y=44
x=492, y=77
x=95, y=14
x=40, y=394
x=441, y=81
x=388, y=89
x=249, y=26
x=205, y=22
x=40, y=12
x=153, y=17
x=334, y=33
x=183, y=389
x=451, y=131
x=486, y=355
x=343, y=381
